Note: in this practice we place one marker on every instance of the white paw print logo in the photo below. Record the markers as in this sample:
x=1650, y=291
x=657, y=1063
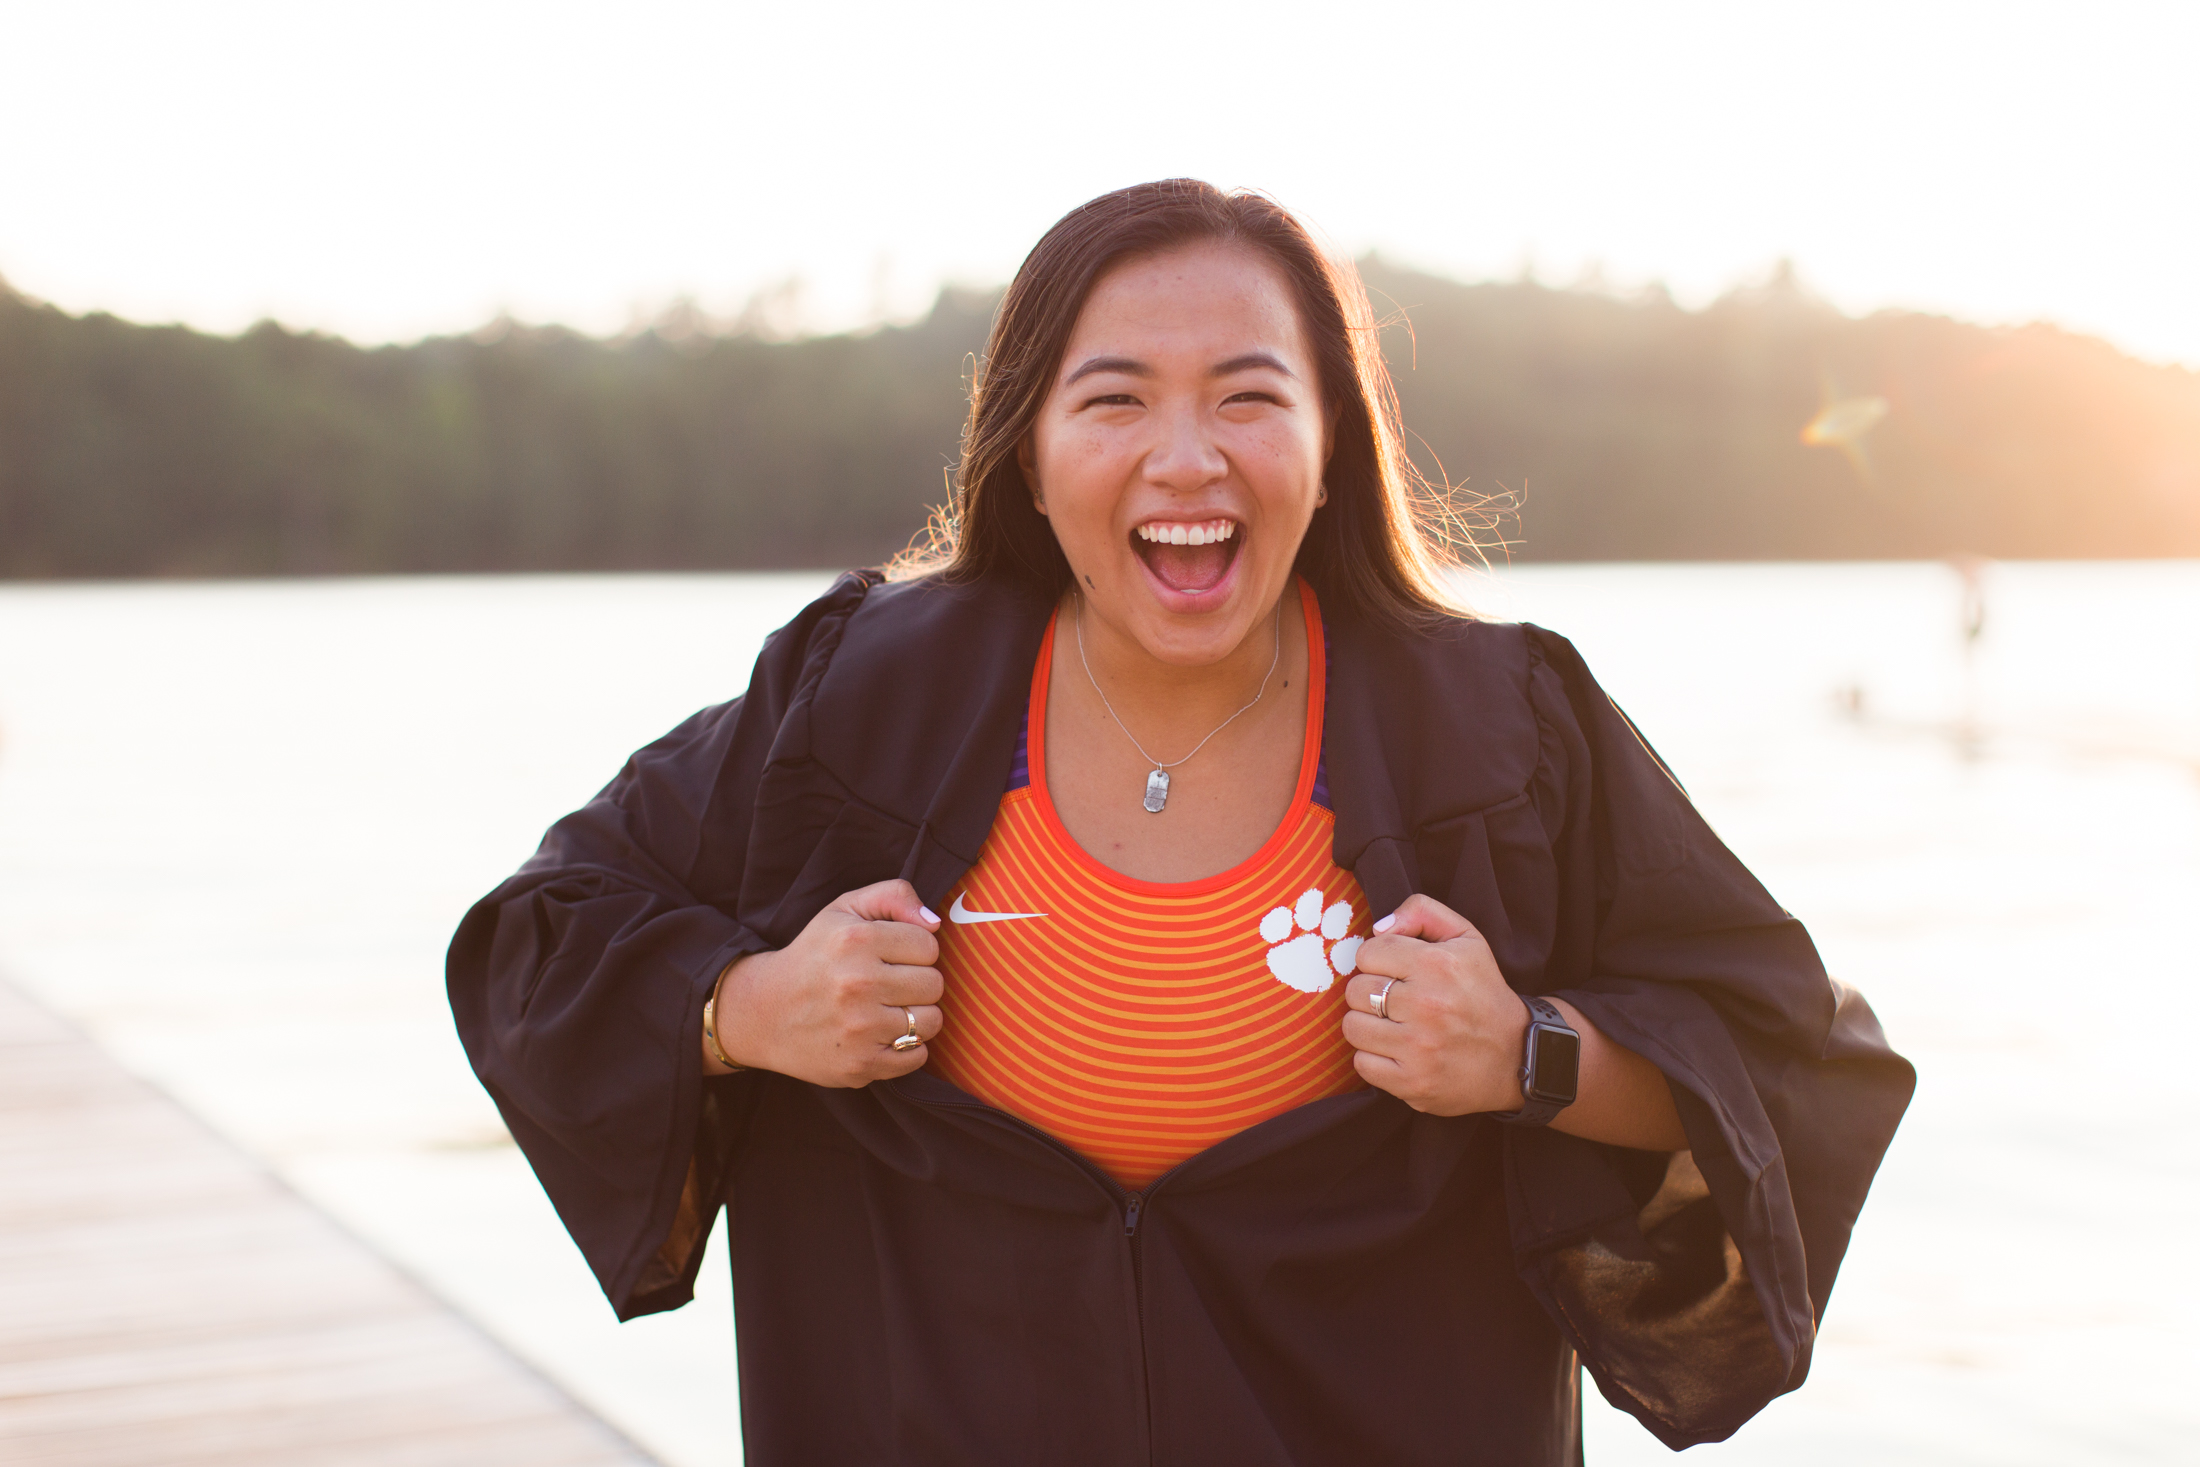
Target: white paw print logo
x=1320, y=953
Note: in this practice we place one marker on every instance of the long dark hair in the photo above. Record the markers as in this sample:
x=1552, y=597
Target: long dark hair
x=1379, y=547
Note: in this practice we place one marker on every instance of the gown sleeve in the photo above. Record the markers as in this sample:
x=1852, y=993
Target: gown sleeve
x=578, y=984
x=1691, y=1284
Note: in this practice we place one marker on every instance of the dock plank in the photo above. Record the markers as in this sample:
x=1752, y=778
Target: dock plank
x=163, y=1299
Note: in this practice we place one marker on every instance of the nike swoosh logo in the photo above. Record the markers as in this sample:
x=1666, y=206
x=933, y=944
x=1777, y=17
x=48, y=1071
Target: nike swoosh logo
x=961, y=913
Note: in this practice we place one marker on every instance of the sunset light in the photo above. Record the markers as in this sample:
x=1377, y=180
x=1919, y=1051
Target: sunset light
x=411, y=168
x=1216, y=735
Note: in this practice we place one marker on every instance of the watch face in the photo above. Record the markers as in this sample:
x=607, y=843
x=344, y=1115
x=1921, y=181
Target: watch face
x=1556, y=1071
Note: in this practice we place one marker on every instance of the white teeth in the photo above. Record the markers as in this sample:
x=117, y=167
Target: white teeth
x=1211, y=533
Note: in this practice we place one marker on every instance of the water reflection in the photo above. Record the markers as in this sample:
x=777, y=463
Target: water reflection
x=238, y=822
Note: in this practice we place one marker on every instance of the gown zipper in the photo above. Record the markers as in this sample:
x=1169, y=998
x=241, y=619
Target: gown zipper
x=1134, y=1206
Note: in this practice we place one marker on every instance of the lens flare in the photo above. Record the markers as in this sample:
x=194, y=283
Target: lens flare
x=1846, y=421
x=1842, y=423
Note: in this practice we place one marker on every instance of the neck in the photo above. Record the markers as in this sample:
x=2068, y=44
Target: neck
x=1166, y=705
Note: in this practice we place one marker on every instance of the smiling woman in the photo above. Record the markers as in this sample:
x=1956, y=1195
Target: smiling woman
x=1306, y=326
x=1164, y=1146
x=1153, y=461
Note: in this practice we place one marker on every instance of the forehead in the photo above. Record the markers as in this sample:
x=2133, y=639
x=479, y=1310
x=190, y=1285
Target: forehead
x=1202, y=299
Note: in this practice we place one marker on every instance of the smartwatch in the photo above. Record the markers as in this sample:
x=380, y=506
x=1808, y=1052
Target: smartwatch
x=1550, y=1067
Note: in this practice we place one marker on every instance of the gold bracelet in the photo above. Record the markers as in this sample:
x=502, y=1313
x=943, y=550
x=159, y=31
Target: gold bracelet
x=710, y=1034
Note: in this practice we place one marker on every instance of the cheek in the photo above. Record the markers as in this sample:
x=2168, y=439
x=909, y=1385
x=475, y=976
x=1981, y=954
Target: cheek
x=1056, y=455
x=1082, y=477
x=1288, y=478
x=1291, y=451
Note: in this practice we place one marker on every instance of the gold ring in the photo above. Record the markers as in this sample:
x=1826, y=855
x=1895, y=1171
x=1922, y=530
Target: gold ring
x=1379, y=1001
x=905, y=1042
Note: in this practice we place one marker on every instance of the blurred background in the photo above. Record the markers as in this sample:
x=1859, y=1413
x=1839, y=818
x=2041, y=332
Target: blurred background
x=407, y=410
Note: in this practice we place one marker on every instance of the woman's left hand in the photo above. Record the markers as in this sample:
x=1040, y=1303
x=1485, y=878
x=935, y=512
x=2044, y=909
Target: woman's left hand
x=1453, y=1042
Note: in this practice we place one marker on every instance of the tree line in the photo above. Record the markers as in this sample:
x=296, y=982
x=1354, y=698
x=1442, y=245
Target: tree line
x=1587, y=425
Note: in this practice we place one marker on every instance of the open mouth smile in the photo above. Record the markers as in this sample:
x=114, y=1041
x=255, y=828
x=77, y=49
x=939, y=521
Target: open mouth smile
x=1191, y=559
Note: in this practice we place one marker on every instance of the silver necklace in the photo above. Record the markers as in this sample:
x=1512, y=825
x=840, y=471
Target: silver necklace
x=1157, y=782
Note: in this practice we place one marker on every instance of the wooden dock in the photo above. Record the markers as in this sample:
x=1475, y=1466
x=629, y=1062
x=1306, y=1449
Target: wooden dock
x=163, y=1300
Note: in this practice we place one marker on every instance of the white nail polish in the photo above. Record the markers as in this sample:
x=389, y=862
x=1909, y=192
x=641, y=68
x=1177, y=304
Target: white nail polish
x=930, y=915
x=1387, y=923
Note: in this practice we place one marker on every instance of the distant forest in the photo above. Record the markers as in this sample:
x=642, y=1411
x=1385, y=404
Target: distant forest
x=1615, y=428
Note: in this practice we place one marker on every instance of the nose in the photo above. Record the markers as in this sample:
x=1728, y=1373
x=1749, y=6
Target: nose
x=1186, y=457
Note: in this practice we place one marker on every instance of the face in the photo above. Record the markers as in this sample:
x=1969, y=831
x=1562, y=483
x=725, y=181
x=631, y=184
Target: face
x=1179, y=455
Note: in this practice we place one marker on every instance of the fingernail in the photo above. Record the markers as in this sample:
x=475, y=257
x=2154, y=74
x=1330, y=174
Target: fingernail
x=930, y=915
x=1387, y=923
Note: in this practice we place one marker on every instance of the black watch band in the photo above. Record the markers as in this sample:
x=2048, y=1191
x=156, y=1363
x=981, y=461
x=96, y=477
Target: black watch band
x=1550, y=1066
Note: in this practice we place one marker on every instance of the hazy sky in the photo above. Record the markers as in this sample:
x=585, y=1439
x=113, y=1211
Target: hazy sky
x=396, y=169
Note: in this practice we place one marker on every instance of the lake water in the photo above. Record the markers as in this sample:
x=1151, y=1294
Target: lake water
x=238, y=822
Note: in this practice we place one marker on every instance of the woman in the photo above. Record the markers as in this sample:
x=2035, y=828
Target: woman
x=1212, y=1124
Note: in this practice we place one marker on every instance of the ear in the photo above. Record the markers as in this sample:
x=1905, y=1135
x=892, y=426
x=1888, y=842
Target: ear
x=1029, y=463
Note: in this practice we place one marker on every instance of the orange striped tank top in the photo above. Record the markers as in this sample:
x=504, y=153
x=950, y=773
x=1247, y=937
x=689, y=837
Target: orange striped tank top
x=1141, y=1022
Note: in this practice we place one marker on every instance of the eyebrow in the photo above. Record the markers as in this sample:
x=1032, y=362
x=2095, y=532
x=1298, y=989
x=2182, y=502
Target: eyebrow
x=1250, y=360
x=1131, y=367
x=1124, y=365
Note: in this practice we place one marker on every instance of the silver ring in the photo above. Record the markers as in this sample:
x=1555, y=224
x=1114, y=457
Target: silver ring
x=1379, y=1001
x=903, y=1043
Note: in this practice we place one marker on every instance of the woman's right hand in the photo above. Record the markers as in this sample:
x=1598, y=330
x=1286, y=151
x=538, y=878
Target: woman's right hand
x=828, y=1007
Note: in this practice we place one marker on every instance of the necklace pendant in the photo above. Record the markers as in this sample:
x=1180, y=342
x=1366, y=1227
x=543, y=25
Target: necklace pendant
x=1157, y=791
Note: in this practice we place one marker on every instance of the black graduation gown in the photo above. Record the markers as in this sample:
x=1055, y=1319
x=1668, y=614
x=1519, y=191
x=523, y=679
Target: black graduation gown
x=921, y=1278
